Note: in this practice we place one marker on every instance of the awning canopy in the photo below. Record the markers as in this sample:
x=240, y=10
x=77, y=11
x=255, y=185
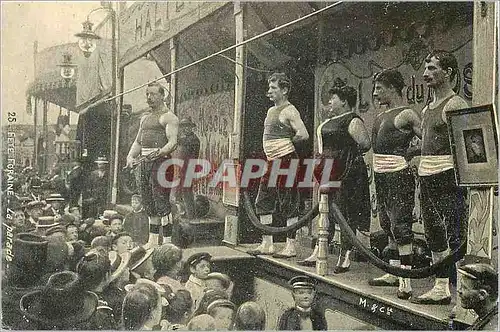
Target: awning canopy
x=48, y=84
x=55, y=89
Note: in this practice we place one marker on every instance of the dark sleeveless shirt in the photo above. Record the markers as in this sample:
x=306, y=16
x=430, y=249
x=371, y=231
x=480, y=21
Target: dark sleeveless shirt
x=337, y=142
x=273, y=128
x=435, y=139
x=152, y=132
x=386, y=138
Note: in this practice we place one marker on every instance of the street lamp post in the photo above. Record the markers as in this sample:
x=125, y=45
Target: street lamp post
x=88, y=43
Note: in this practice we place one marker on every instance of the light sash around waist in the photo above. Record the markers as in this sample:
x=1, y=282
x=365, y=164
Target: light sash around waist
x=430, y=165
x=146, y=151
x=386, y=163
x=276, y=148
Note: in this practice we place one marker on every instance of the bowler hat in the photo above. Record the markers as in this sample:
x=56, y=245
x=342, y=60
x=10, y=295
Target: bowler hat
x=30, y=255
x=302, y=282
x=62, y=303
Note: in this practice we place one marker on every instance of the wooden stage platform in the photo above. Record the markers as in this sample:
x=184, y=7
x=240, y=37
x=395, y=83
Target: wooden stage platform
x=348, y=293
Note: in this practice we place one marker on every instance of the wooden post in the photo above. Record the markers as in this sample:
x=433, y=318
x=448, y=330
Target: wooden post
x=321, y=261
x=240, y=83
x=35, y=113
x=481, y=200
x=35, y=124
x=173, y=77
x=45, y=134
x=232, y=219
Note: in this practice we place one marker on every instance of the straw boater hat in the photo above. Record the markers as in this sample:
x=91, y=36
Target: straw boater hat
x=118, y=263
x=46, y=222
x=61, y=303
x=55, y=198
x=101, y=160
x=138, y=256
x=35, y=204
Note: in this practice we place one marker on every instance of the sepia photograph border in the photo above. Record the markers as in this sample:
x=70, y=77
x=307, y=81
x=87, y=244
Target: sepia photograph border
x=477, y=174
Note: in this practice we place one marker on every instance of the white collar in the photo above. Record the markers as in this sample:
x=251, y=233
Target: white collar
x=197, y=281
x=302, y=309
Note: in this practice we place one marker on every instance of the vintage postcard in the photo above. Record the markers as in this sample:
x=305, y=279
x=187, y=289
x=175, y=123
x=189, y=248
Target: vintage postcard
x=249, y=165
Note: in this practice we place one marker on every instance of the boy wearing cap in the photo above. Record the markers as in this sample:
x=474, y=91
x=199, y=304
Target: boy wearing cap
x=122, y=242
x=303, y=316
x=223, y=312
x=479, y=291
x=137, y=222
x=115, y=225
x=198, y=266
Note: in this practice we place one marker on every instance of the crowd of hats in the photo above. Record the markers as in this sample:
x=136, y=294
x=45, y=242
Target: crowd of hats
x=65, y=280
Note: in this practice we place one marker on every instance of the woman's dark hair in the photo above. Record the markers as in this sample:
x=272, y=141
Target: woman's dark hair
x=179, y=303
x=138, y=305
x=344, y=92
x=92, y=269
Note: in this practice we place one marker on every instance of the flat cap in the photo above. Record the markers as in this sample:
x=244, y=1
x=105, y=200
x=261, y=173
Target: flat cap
x=483, y=273
x=198, y=257
x=302, y=282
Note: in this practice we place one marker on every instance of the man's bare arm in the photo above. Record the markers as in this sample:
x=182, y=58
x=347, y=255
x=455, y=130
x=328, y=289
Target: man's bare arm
x=135, y=149
x=292, y=116
x=455, y=103
x=171, y=123
x=409, y=119
x=359, y=134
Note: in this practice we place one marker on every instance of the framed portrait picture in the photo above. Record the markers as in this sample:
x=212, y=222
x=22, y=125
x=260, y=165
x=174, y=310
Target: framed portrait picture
x=474, y=143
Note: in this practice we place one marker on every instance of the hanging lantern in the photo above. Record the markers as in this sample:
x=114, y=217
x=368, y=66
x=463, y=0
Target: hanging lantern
x=67, y=68
x=88, y=39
